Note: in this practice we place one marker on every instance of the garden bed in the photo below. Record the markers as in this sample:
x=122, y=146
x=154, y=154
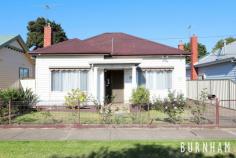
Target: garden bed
x=151, y=117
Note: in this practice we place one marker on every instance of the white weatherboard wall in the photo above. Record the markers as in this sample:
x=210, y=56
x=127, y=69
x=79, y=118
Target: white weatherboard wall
x=28, y=84
x=178, y=74
x=96, y=80
x=43, y=74
x=10, y=62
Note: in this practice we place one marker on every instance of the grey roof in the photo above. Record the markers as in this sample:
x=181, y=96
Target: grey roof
x=6, y=39
x=227, y=53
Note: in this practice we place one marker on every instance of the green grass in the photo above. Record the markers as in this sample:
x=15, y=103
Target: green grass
x=98, y=149
x=156, y=117
x=56, y=117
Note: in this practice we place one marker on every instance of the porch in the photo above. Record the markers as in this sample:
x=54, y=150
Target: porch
x=113, y=80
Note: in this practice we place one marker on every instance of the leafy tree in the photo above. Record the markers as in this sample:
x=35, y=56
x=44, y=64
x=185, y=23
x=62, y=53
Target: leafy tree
x=202, y=51
x=220, y=43
x=35, y=32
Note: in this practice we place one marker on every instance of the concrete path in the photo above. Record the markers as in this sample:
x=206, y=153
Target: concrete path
x=115, y=134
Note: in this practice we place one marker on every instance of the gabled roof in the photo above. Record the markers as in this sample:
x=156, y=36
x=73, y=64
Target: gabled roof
x=225, y=54
x=5, y=41
x=115, y=44
x=5, y=38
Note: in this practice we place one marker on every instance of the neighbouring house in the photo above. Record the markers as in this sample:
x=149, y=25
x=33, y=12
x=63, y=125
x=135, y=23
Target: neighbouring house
x=220, y=64
x=15, y=63
x=106, y=65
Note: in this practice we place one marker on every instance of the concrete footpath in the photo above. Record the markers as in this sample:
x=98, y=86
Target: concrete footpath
x=115, y=133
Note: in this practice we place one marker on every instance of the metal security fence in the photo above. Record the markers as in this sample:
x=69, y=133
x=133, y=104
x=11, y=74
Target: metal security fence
x=227, y=117
x=20, y=113
x=223, y=89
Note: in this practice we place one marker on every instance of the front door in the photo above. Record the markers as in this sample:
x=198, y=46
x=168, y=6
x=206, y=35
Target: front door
x=114, y=86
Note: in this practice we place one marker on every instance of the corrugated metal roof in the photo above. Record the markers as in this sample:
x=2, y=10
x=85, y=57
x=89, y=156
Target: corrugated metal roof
x=224, y=54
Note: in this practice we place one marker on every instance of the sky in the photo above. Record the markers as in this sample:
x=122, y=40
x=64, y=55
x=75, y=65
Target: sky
x=163, y=21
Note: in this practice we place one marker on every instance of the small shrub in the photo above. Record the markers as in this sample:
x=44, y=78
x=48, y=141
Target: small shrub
x=198, y=107
x=140, y=97
x=75, y=98
x=173, y=106
x=22, y=100
x=106, y=114
x=157, y=104
x=18, y=95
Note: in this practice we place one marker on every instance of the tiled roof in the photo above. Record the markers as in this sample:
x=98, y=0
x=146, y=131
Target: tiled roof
x=115, y=44
x=72, y=46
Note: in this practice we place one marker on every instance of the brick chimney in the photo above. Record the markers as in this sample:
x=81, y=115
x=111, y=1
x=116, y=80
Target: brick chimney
x=194, y=57
x=181, y=45
x=47, y=39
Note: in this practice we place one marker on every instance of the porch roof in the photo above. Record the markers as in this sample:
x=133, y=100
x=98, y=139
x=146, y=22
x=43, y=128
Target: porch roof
x=117, y=61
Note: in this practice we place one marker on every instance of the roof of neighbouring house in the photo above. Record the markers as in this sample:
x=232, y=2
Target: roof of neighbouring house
x=225, y=54
x=115, y=44
x=7, y=39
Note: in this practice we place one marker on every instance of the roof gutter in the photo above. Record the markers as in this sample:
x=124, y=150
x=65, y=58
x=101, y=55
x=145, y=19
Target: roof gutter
x=232, y=59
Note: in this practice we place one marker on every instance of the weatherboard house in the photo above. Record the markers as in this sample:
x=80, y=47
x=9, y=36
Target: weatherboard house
x=15, y=62
x=219, y=64
x=106, y=65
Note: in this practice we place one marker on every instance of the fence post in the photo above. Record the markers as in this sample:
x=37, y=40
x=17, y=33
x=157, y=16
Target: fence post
x=9, y=112
x=79, y=110
x=217, y=112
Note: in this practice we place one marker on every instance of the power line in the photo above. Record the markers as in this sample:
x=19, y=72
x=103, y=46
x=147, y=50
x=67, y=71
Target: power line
x=201, y=37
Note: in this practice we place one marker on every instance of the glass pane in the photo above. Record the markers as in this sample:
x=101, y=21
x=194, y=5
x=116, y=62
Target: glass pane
x=84, y=80
x=26, y=73
x=69, y=79
x=21, y=73
x=141, y=78
x=169, y=79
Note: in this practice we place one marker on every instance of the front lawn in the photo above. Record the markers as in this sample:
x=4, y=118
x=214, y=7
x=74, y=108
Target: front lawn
x=53, y=117
x=99, y=149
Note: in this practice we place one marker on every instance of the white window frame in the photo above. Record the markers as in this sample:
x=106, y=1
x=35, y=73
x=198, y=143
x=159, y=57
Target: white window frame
x=51, y=79
x=154, y=84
